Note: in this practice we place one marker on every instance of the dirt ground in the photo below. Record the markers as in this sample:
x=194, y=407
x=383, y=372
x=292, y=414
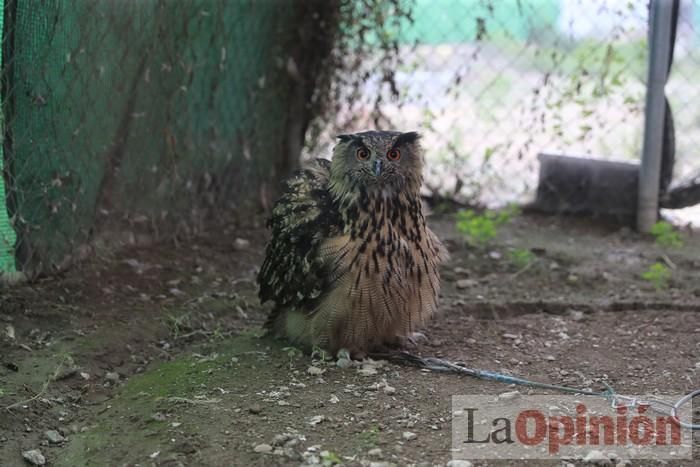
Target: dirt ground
x=153, y=355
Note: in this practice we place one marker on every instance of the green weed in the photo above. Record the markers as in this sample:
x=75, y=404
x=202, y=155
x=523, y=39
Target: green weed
x=521, y=257
x=369, y=438
x=480, y=229
x=330, y=458
x=658, y=275
x=665, y=235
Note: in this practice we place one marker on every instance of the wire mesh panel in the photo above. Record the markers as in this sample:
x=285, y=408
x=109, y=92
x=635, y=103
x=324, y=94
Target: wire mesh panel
x=491, y=84
x=147, y=113
x=684, y=94
x=7, y=233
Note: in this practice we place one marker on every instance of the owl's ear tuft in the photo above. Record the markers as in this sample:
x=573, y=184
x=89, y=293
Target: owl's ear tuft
x=345, y=138
x=409, y=137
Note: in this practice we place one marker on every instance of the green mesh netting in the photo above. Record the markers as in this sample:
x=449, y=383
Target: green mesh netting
x=136, y=112
x=7, y=234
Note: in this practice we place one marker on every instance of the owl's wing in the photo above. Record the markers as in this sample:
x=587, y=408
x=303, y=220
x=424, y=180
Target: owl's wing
x=292, y=273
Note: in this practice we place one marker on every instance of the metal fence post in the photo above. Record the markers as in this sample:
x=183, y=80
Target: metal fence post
x=650, y=168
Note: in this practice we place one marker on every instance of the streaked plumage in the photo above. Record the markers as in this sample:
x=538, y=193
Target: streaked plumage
x=351, y=263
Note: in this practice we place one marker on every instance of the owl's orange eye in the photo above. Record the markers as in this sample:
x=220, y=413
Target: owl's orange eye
x=393, y=154
x=362, y=154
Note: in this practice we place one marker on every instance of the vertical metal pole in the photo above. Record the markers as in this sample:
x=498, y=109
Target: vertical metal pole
x=650, y=169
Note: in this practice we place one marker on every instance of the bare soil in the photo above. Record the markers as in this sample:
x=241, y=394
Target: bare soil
x=153, y=355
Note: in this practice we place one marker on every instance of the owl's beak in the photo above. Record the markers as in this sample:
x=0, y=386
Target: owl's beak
x=377, y=167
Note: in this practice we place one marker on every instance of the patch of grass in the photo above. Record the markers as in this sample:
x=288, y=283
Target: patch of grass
x=330, y=458
x=658, y=275
x=666, y=235
x=521, y=257
x=480, y=229
x=369, y=439
x=178, y=324
x=293, y=354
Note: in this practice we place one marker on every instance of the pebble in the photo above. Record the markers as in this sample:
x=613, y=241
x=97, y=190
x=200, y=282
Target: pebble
x=510, y=395
x=255, y=409
x=367, y=370
x=459, y=463
x=316, y=419
x=577, y=315
x=34, y=457
x=376, y=452
x=241, y=244
x=279, y=440
x=389, y=389
x=334, y=399
x=315, y=371
x=54, y=437
x=112, y=376
x=263, y=448
x=597, y=458
x=466, y=283
x=409, y=435
x=495, y=255
x=381, y=464
x=343, y=363
x=291, y=454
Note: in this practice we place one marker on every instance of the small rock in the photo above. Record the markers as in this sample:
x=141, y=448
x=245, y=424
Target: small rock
x=66, y=373
x=507, y=396
x=510, y=336
x=112, y=376
x=380, y=464
x=459, y=463
x=291, y=454
x=343, y=363
x=597, y=458
x=334, y=399
x=461, y=271
x=315, y=371
x=376, y=452
x=577, y=315
x=316, y=419
x=279, y=440
x=85, y=376
x=466, y=283
x=409, y=435
x=389, y=389
x=263, y=448
x=54, y=437
x=255, y=409
x=367, y=370
x=34, y=457
x=495, y=255
x=551, y=358
x=241, y=244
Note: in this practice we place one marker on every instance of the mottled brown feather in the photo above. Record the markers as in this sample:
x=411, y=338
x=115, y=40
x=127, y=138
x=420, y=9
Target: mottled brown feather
x=352, y=263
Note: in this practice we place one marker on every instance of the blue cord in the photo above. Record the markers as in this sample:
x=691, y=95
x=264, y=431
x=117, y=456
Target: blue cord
x=438, y=364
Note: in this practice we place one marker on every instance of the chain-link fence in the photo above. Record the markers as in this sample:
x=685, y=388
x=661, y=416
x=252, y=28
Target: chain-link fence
x=491, y=84
x=133, y=116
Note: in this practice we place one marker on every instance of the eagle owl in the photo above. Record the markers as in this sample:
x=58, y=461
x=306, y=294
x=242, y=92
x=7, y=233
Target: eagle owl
x=351, y=263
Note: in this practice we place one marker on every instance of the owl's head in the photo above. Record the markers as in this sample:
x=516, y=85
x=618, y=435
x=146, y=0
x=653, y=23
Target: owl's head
x=387, y=161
